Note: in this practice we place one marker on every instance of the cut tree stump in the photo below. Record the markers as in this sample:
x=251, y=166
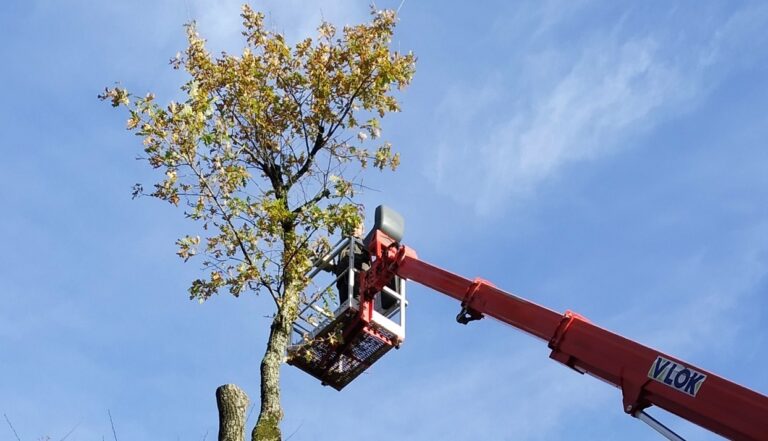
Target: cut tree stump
x=232, y=403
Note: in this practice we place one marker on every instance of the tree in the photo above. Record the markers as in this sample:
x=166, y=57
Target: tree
x=266, y=153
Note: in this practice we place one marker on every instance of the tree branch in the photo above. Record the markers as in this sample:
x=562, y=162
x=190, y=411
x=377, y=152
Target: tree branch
x=266, y=164
x=301, y=113
x=7, y=420
x=226, y=216
x=321, y=140
x=322, y=194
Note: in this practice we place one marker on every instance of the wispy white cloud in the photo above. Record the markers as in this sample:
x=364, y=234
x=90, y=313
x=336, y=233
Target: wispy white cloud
x=536, y=396
x=709, y=297
x=608, y=91
x=611, y=88
x=507, y=390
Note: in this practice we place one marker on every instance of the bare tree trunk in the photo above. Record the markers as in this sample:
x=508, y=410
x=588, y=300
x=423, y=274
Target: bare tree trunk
x=268, y=426
x=232, y=403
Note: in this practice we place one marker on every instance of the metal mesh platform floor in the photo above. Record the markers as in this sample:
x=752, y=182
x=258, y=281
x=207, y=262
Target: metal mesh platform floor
x=335, y=363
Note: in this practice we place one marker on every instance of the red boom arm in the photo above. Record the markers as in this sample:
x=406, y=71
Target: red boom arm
x=645, y=376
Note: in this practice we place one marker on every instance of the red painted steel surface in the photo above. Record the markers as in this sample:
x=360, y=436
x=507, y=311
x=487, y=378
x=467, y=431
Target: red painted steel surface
x=699, y=396
x=721, y=406
x=520, y=313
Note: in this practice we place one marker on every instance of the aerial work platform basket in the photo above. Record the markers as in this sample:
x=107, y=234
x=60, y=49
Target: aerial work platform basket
x=340, y=334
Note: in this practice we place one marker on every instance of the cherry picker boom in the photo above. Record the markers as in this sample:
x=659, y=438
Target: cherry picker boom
x=645, y=376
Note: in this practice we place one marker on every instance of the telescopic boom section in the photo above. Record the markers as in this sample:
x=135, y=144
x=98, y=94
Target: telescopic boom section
x=645, y=376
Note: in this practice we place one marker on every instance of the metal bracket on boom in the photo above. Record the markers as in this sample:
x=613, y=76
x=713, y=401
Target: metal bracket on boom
x=467, y=314
x=565, y=323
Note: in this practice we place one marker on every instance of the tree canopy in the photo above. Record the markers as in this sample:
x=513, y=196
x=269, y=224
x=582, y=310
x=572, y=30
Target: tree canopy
x=267, y=152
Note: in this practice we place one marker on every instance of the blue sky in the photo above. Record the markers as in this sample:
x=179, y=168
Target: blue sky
x=602, y=157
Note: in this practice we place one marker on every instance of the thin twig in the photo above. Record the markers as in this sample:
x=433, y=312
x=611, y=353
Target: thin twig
x=205, y=436
x=70, y=432
x=247, y=417
x=111, y=423
x=11, y=426
x=294, y=432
